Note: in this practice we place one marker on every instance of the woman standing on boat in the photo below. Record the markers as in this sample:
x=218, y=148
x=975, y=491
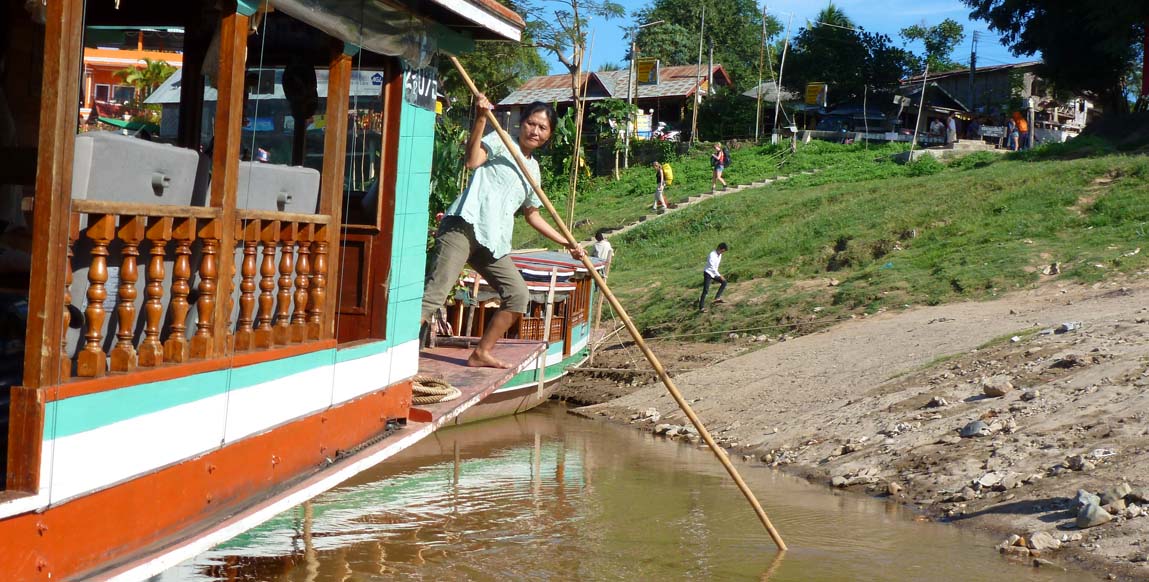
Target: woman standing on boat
x=477, y=227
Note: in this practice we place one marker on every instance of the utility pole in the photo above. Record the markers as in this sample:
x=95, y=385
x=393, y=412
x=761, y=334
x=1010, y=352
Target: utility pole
x=761, y=54
x=698, y=81
x=972, y=70
x=781, y=65
x=630, y=83
x=921, y=105
x=710, y=71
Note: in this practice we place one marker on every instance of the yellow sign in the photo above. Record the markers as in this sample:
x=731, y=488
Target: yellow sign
x=647, y=71
x=816, y=93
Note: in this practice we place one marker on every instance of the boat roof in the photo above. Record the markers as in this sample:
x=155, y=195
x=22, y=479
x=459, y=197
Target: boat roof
x=543, y=259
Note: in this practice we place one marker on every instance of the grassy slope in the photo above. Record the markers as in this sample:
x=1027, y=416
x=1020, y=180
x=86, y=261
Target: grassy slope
x=980, y=227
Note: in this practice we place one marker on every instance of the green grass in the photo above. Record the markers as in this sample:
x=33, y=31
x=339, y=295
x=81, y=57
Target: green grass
x=891, y=235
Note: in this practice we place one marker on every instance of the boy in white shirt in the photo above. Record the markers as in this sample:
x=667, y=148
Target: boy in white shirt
x=710, y=273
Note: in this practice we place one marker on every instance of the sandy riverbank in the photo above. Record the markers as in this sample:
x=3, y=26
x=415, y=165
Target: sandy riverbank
x=851, y=406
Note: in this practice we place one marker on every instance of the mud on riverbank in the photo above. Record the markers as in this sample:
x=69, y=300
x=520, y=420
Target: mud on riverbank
x=877, y=405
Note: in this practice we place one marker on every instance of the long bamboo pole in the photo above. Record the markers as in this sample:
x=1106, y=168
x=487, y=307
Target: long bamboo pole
x=654, y=362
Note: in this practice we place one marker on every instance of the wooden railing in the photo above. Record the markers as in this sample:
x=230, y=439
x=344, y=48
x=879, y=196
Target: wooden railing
x=292, y=284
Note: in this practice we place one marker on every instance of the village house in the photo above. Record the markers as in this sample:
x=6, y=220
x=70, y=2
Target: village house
x=665, y=100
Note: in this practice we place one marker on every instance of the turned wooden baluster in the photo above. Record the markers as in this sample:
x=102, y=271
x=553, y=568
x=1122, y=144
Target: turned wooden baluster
x=93, y=362
x=282, y=329
x=151, y=351
x=244, y=332
x=65, y=360
x=269, y=236
x=124, y=352
x=203, y=340
x=302, y=283
x=318, y=284
x=176, y=346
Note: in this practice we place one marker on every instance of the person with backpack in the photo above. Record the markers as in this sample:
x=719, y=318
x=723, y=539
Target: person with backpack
x=668, y=173
x=719, y=160
x=660, y=185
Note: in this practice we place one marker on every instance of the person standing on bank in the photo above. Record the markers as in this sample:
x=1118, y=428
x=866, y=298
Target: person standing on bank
x=718, y=162
x=477, y=227
x=710, y=273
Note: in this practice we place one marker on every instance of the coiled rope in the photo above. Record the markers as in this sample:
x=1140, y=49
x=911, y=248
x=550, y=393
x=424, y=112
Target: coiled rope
x=431, y=390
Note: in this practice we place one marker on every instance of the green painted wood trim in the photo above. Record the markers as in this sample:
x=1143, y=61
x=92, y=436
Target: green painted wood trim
x=247, y=8
x=552, y=372
x=350, y=49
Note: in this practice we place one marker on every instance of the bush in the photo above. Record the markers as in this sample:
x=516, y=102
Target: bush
x=927, y=165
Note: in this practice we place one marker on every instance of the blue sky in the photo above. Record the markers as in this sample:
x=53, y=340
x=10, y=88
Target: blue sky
x=886, y=16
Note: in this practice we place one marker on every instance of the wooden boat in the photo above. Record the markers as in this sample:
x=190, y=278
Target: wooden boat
x=560, y=311
x=199, y=341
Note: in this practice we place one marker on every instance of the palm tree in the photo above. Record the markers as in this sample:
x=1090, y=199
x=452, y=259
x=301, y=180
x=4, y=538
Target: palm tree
x=834, y=16
x=145, y=79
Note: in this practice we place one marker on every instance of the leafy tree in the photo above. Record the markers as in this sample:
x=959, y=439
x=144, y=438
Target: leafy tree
x=559, y=26
x=610, y=67
x=611, y=115
x=1085, y=46
x=940, y=41
x=145, y=79
x=849, y=59
x=734, y=26
x=498, y=68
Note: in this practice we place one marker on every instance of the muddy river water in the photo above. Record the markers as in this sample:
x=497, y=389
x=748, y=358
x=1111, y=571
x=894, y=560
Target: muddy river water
x=549, y=496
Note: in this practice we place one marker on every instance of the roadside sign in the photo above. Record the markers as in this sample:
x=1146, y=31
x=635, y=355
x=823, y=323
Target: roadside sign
x=647, y=71
x=816, y=93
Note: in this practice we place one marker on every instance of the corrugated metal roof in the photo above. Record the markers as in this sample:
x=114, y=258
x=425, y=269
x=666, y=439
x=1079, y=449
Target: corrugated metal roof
x=364, y=83
x=965, y=72
x=676, y=81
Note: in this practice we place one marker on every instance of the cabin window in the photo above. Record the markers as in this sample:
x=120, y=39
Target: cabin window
x=103, y=92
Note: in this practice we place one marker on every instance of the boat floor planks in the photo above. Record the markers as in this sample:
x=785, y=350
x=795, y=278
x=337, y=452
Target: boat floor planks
x=449, y=363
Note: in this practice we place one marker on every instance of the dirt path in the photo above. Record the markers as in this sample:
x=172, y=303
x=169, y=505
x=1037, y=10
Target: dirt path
x=852, y=405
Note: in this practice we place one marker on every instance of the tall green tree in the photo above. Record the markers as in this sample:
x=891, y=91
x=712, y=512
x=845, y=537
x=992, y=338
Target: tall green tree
x=498, y=68
x=735, y=27
x=850, y=59
x=940, y=41
x=1084, y=46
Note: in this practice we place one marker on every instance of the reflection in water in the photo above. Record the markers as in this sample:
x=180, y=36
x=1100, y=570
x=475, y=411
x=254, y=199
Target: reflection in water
x=546, y=496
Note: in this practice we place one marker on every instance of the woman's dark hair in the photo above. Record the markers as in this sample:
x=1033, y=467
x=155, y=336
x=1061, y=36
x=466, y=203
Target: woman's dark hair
x=537, y=106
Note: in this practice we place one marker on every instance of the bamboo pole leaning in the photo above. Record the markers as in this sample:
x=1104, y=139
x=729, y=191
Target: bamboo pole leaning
x=610, y=297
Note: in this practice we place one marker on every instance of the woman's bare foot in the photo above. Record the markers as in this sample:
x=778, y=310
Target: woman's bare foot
x=482, y=359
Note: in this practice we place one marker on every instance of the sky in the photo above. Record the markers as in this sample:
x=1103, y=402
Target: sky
x=885, y=16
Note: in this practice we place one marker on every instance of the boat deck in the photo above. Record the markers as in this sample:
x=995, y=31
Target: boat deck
x=446, y=362
x=449, y=363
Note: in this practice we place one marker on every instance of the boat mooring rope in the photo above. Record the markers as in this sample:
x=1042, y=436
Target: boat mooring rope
x=431, y=390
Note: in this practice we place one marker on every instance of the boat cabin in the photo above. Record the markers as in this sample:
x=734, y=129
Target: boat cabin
x=208, y=309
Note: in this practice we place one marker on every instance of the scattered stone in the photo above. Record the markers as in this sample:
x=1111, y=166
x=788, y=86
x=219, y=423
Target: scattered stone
x=834, y=282
x=1077, y=463
x=1138, y=495
x=893, y=488
x=1051, y=269
x=1043, y=563
x=1015, y=551
x=1091, y=516
x=949, y=439
x=838, y=481
x=661, y=429
x=1015, y=339
x=1011, y=481
x=996, y=386
x=1041, y=541
x=1133, y=510
x=937, y=402
x=1069, y=361
x=1067, y=327
x=989, y=479
x=1139, y=558
x=1115, y=493
x=976, y=428
x=1116, y=507
x=1084, y=498
x=1074, y=537
x=1029, y=395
